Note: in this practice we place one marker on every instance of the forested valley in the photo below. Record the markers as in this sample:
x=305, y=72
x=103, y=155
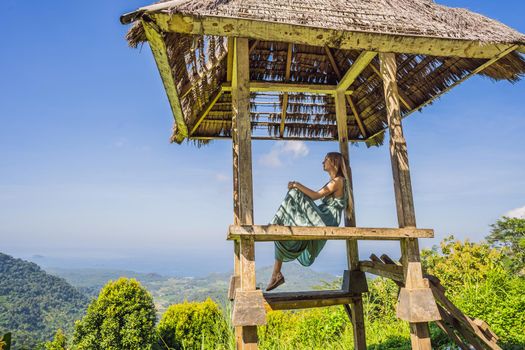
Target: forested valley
x=484, y=279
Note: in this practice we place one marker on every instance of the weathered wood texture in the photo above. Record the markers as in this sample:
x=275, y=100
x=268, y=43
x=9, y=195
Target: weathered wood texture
x=241, y=120
x=414, y=283
x=338, y=74
x=324, y=37
x=394, y=272
x=284, y=233
x=352, y=250
x=355, y=69
x=258, y=86
x=309, y=299
x=285, y=95
x=158, y=48
x=248, y=309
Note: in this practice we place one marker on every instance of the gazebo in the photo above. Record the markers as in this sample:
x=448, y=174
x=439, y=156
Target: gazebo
x=342, y=70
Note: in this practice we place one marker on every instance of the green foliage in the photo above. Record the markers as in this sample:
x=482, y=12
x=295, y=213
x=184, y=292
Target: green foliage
x=122, y=317
x=5, y=342
x=59, y=342
x=193, y=325
x=33, y=304
x=477, y=281
x=509, y=235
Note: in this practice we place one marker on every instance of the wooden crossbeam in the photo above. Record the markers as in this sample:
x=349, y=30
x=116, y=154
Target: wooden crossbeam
x=254, y=45
x=158, y=48
x=273, y=138
x=206, y=110
x=285, y=95
x=394, y=272
x=348, y=97
x=256, y=86
x=284, y=233
x=309, y=35
x=309, y=299
x=355, y=69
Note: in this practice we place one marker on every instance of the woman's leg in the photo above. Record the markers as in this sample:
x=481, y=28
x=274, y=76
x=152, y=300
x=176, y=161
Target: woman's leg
x=276, y=268
x=277, y=277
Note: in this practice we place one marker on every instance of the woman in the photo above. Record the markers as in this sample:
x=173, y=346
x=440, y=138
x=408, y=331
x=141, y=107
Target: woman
x=298, y=209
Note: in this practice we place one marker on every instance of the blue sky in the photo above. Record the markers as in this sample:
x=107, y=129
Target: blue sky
x=87, y=172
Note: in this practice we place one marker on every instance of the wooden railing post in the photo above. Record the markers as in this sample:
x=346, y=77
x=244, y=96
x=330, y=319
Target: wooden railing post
x=416, y=303
x=351, y=245
x=243, y=178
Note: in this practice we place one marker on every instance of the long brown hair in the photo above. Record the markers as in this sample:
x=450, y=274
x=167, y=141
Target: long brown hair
x=339, y=162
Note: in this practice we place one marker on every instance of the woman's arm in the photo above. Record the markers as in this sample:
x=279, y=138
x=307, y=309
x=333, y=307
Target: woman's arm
x=328, y=189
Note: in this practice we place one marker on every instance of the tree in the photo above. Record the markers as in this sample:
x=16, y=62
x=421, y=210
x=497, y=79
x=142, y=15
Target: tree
x=59, y=342
x=122, y=317
x=193, y=326
x=509, y=235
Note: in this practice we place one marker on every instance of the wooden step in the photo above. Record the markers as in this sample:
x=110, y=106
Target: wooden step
x=309, y=299
x=286, y=233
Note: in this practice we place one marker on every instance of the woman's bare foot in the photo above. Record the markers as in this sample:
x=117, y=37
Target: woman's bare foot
x=275, y=281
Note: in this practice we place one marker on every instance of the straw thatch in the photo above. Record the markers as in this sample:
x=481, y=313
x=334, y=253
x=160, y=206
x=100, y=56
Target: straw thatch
x=198, y=63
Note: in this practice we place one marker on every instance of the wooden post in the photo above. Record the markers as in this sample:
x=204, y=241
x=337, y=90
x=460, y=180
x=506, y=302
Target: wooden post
x=243, y=154
x=351, y=245
x=419, y=332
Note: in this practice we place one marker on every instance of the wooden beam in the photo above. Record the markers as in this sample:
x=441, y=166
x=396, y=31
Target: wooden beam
x=348, y=97
x=158, y=48
x=300, y=34
x=309, y=299
x=206, y=110
x=413, y=274
x=273, y=138
x=394, y=272
x=256, y=86
x=285, y=233
x=402, y=97
x=229, y=60
x=254, y=45
x=241, y=119
x=355, y=69
x=285, y=95
x=187, y=88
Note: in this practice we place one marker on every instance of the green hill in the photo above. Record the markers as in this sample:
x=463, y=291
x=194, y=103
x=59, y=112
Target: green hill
x=33, y=304
x=171, y=290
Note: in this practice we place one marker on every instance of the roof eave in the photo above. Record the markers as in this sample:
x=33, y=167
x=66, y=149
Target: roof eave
x=272, y=31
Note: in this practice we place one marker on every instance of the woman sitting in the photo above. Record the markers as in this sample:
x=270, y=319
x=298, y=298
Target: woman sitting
x=299, y=209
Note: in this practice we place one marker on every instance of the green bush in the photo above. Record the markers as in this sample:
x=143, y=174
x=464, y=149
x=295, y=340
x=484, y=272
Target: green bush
x=122, y=317
x=59, y=342
x=193, y=326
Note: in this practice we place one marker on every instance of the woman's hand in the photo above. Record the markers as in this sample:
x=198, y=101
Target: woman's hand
x=292, y=184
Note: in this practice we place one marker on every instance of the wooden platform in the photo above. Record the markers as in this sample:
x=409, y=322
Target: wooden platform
x=302, y=300
x=285, y=233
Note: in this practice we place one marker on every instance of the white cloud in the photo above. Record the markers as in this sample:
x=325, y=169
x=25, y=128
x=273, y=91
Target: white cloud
x=516, y=213
x=293, y=149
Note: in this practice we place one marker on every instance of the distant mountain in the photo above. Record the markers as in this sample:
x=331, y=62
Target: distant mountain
x=34, y=304
x=171, y=290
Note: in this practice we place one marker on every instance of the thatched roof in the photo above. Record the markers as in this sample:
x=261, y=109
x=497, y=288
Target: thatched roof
x=328, y=37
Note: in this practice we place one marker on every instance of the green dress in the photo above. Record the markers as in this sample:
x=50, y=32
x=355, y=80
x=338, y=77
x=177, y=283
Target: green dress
x=297, y=209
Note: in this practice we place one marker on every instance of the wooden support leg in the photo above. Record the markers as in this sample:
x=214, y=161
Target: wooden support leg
x=357, y=316
x=416, y=304
x=243, y=204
